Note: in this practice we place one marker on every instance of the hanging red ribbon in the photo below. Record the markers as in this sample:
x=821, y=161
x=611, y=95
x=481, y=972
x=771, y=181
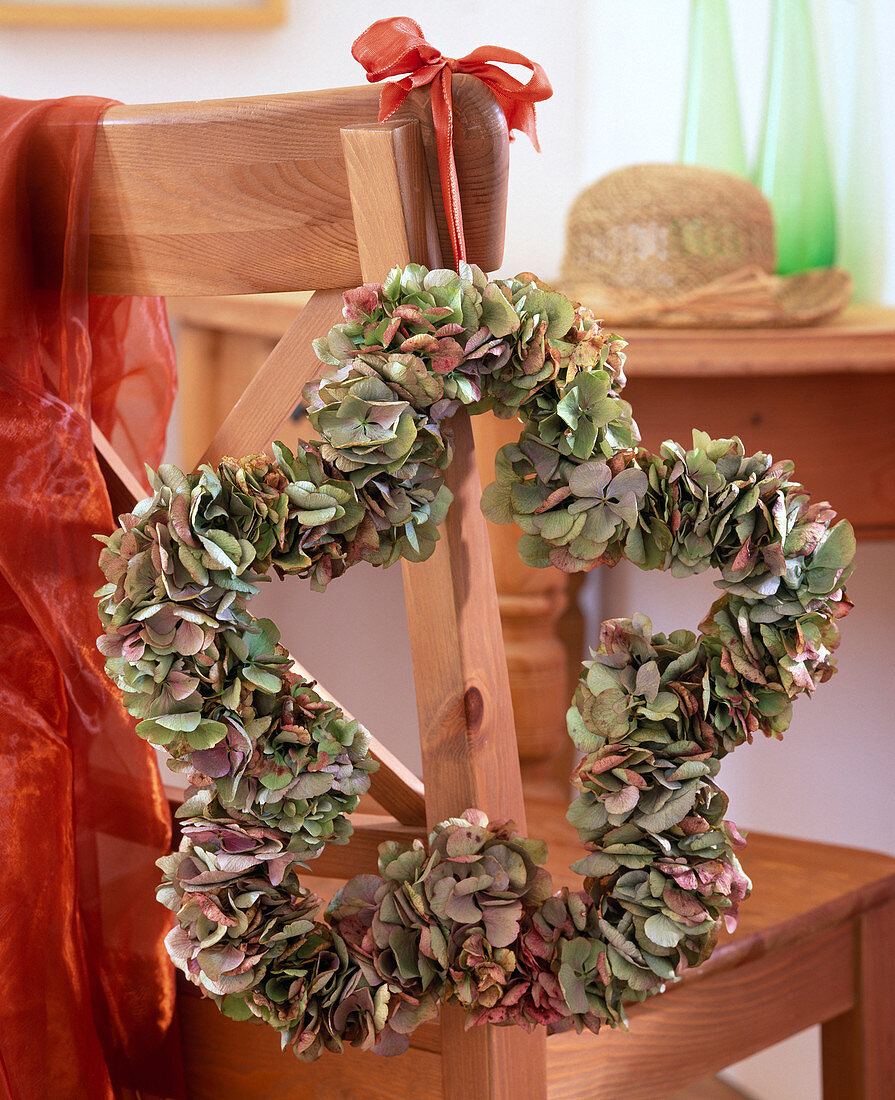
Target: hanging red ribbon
x=391, y=47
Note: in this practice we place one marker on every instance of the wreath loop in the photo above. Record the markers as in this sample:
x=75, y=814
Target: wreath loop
x=275, y=770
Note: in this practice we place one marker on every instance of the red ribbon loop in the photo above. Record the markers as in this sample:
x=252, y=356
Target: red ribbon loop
x=391, y=47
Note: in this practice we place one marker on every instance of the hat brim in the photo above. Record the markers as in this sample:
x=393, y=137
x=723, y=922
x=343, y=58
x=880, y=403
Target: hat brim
x=785, y=301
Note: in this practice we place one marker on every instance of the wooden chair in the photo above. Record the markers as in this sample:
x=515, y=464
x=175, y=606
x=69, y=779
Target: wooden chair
x=306, y=191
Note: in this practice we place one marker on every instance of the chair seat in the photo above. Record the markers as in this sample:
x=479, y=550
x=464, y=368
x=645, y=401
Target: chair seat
x=790, y=964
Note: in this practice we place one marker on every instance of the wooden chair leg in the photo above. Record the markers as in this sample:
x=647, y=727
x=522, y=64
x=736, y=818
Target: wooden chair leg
x=858, y=1047
x=469, y=750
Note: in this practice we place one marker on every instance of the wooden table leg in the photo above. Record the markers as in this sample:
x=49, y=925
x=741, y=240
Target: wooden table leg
x=859, y=1046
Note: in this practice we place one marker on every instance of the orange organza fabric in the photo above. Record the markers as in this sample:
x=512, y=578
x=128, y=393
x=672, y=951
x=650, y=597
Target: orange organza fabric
x=86, y=991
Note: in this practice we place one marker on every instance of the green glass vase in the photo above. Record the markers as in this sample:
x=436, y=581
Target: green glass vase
x=793, y=168
x=860, y=246
x=712, y=134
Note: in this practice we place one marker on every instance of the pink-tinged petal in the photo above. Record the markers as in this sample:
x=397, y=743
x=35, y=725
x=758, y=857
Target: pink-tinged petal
x=189, y=639
x=211, y=910
x=390, y=1043
x=684, y=904
x=361, y=301
x=476, y=817
x=390, y=330
x=444, y=408
x=447, y=356
x=219, y=960
x=179, y=685
x=413, y=315
x=421, y=342
x=277, y=868
x=110, y=645
x=180, y=521
x=477, y=339
x=179, y=945
x=214, y=762
x=133, y=648
x=597, y=767
x=603, y=968
x=801, y=676
x=622, y=801
x=744, y=558
x=232, y=983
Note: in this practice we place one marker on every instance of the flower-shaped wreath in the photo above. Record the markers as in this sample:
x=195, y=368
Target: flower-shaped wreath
x=275, y=770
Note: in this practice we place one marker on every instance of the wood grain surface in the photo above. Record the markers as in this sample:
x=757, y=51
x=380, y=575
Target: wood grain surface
x=250, y=195
x=857, y=341
x=838, y=429
x=531, y=602
x=122, y=484
x=462, y=689
x=859, y=1046
x=703, y=1027
x=249, y=15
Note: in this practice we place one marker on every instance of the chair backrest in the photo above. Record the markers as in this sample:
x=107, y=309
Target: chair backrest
x=307, y=191
x=242, y=196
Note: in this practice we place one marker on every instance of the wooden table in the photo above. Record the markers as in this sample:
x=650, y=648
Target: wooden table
x=823, y=396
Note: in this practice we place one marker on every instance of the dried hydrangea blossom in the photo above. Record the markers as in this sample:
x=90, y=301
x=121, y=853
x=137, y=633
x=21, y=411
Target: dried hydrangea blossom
x=275, y=770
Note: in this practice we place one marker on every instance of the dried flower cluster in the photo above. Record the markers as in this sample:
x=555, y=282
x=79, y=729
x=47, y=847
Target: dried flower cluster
x=275, y=770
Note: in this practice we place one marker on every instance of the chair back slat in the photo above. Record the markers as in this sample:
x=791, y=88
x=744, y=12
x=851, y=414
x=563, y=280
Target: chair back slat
x=248, y=196
x=467, y=732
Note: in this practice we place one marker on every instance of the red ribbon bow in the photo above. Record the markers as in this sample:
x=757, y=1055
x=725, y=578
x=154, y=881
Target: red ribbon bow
x=393, y=46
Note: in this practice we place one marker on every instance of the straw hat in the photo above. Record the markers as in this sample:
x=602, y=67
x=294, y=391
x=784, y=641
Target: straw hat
x=680, y=246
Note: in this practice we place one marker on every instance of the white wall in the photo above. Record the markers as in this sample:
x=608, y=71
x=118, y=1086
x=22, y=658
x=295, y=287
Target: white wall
x=617, y=68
